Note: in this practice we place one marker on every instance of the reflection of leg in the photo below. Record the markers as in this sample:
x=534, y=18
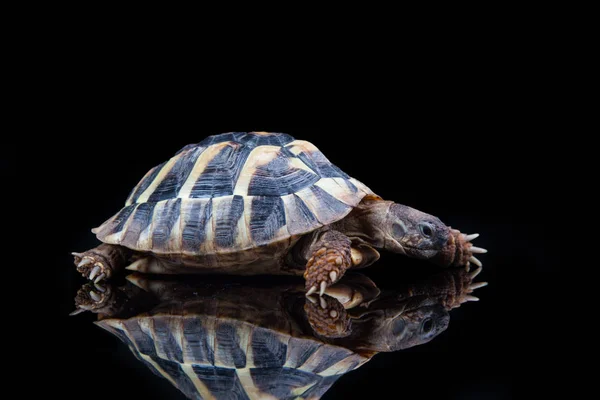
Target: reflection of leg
x=330, y=258
x=327, y=317
x=353, y=290
x=461, y=287
x=102, y=262
x=99, y=299
x=451, y=288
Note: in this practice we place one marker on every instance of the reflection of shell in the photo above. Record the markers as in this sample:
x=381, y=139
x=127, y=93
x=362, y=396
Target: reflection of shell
x=207, y=357
x=232, y=192
x=239, y=339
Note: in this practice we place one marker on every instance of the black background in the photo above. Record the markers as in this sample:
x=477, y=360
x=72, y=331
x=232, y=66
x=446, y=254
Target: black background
x=469, y=150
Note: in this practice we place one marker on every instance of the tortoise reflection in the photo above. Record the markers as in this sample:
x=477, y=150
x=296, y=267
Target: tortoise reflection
x=241, y=339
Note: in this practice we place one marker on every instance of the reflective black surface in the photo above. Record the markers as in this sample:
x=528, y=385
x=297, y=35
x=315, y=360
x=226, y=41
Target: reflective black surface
x=241, y=337
x=466, y=186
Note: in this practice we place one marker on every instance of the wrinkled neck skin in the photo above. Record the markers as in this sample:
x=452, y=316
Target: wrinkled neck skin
x=370, y=222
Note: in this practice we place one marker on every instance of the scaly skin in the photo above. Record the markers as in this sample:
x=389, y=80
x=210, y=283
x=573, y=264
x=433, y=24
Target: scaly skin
x=101, y=262
x=391, y=226
x=327, y=317
x=331, y=257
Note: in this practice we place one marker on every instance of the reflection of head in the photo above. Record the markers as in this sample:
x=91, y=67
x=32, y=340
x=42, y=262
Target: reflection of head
x=413, y=315
x=396, y=328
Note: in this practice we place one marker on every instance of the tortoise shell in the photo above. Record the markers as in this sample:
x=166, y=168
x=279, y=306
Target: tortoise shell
x=232, y=192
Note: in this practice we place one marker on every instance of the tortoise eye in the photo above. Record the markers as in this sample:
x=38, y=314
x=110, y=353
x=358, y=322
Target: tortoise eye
x=426, y=229
x=427, y=325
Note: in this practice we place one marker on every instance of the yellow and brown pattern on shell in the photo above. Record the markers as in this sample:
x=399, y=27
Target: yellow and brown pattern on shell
x=208, y=357
x=233, y=192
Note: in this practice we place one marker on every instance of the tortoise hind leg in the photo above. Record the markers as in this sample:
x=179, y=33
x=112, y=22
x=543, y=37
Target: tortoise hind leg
x=102, y=262
x=330, y=257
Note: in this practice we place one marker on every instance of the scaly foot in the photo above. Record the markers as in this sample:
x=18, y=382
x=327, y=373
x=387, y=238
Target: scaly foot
x=329, y=261
x=463, y=288
x=101, y=262
x=327, y=317
x=92, y=266
x=326, y=267
x=92, y=297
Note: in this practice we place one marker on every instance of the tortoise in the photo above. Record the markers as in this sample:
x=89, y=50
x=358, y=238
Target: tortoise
x=250, y=203
x=249, y=340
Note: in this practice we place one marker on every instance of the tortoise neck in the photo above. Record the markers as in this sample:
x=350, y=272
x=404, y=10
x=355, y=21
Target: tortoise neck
x=368, y=221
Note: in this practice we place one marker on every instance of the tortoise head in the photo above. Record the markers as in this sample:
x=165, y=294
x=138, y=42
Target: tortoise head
x=420, y=235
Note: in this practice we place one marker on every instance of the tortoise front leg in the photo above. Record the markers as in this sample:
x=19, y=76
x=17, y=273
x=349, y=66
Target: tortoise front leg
x=102, y=262
x=327, y=317
x=331, y=256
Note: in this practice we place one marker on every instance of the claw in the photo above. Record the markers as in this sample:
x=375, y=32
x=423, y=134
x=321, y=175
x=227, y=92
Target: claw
x=475, y=261
x=477, y=250
x=475, y=273
x=99, y=288
x=95, y=296
x=333, y=313
x=94, y=272
x=84, y=262
x=477, y=285
x=98, y=279
x=77, y=311
x=323, y=287
x=311, y=299
x=333, y=276
x=468, y=238
x=471, y=298
x=80, y=255
x=311, y=291
x=323, y=303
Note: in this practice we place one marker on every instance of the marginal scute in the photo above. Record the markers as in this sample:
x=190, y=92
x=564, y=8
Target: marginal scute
x=226, y=216
x=220, y=382
x=167, y=344
x=198, y=343
x=300, y=351
x=175, y=373
x=140, y=221
x=230, y=344
x=165, y=219
x=230, y=193
x=325, y=360
x=268, y=216
x=268, y=349
x=288, y=381
x=195, y=214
